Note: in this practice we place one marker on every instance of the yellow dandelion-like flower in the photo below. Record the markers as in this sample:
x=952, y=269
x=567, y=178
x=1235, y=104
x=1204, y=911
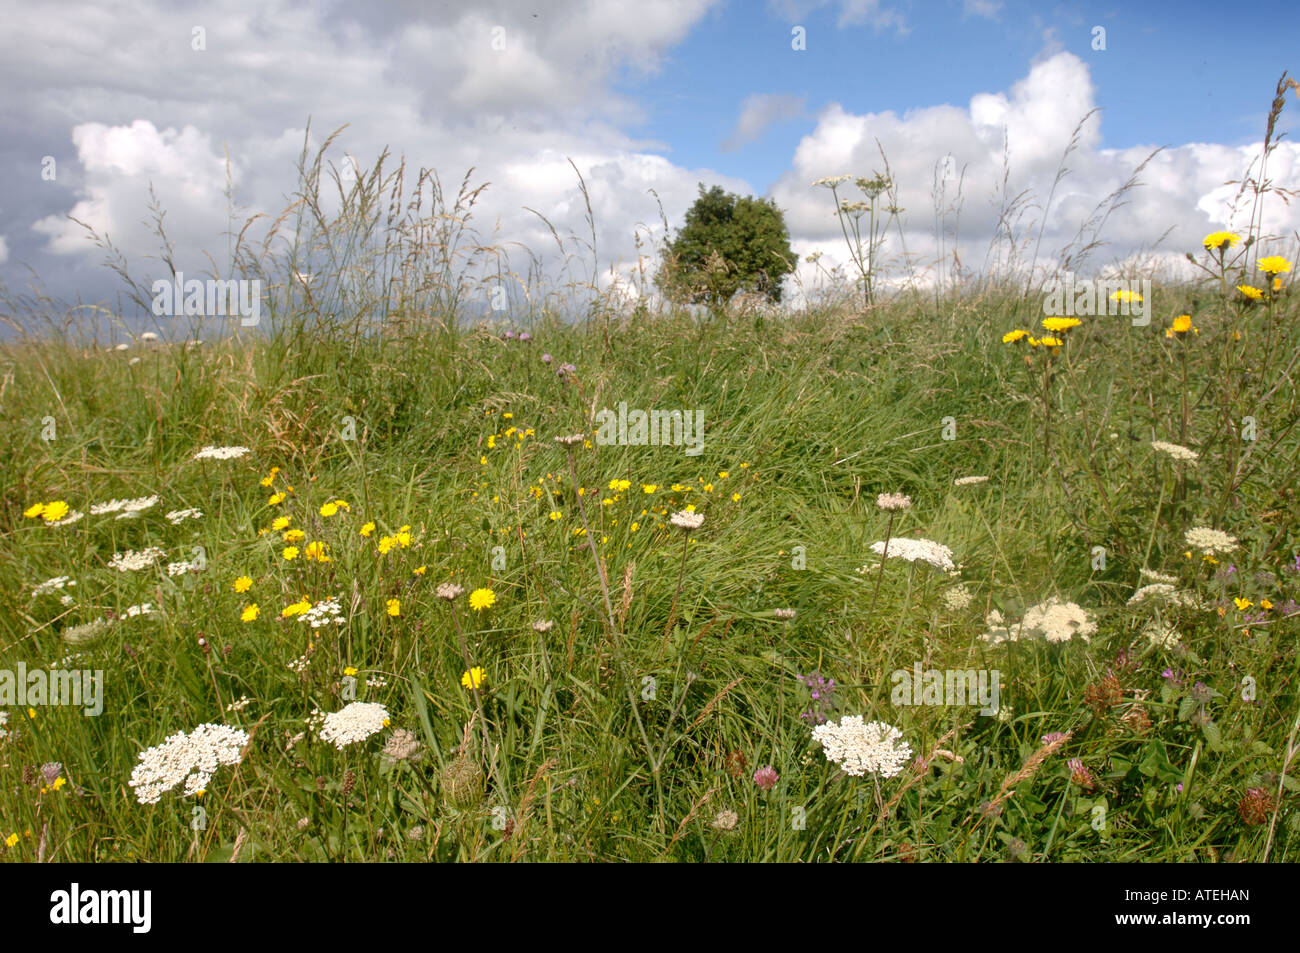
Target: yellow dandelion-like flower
x=648, y=488
x=297, y=608
x=275, y=500
x=1265, y=604
x=250, y=613
x=394, y=607
x=1011, y=337
x=11, y=840
x=1060, y=325
x=329, y=509
x=243, y=584
x=1182, y=324
x=1251, y=292
x=481, y=599
x=1124, y=295
x=1273, y=264
x=350, y=670
x=419, y=570
x=1243, y=604
x=317, y=551
x=367, y=529
x=556, y=514
x=473, y=678
x=55, y=511
x=36, y=509
x=292, y=535
x=290, y=552
x=279, y=523
x=1215, y=241
x=735, y=497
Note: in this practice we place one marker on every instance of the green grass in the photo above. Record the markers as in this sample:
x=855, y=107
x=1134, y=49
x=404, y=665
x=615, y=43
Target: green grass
x=810, y=416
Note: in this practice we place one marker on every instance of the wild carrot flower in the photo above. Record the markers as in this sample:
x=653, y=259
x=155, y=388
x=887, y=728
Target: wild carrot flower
x=860, y=749
x=893, y=502
x=1210, y=541
x=190, y=759
x=1180, y=453
x=448, y=591
x=355, y=722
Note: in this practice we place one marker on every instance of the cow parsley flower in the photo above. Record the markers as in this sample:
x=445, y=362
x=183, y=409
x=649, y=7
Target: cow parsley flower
x=860, y=749
x=924, y=550
x=1210, y=541
x=189, y=759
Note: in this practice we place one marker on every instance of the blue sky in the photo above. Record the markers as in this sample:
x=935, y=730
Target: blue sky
x=643, y=96
x=1170, y=73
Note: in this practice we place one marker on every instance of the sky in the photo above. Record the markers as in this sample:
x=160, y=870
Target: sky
x=109, y=107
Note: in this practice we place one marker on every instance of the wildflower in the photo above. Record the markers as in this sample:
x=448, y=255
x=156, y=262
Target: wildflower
x=1273, y=265
x=648, y=488
x=831, y=181
x=1210, y=541
x=297, y=608
x=293, y=535
x=402, y=745
x=250, y=613
x=1161, y=635
x=243, y=584
x=1011, y=337
x=546, y=358
x=394, y=607
x=473, y=678
x=924, y=550
x=1060, y=325
x=53, y=512
x=726, y=820
x=367, y=529
x=687, y=520
x=448, y=591
x=290, y=552
x=280, y=524
x=766, y=777
x=220, y=453
x=1242, y=604
x=326, y=612
x=131, y=561
x=355, y=722
x=543, y=626
x=190, y=759
x=891, y=502
x=179, y=516
x=572, y=440
x=317, y=552
x=860, y=749
x=556, y=515
x=1125, y=296
x=958, y=599
x=1255, y=808
x=1218, y=241
x=11, y=840
x=785, y=615
x=1053, y=620
x=1174, y=450
x=1251, y=292
x=36, y=509
x=481, y=599
x=1182, y=324
x=1080, y=775
x=329, y=509
x=275, y=499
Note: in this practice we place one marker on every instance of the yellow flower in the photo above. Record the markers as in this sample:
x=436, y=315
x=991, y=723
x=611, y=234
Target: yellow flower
x=386, y=544
x=329, y=509
x=634, y=527
x=723, y=474
x=1277, y=283
x=1251, y=292
x=618, y=486
x=36, y=509
x=1125, y=295
x=250, y=613
x=735, y=497
x=243, y=584
x=279, y=523
x=350, y=670
x=1059, y=325
x=1265, y=604
x=11, y=840
x=317, y=551
x=1011, y=337
x=492, y=441
x=649, y=487
x=481, y=599
x=292, y=535
x=1273, y=264
x=276, y=499
x=394, y=607
x=298, y=608
x=556, y=514
x=419, y=570
x=1182, y=324
x=290, y=552
x=473, y=678
x=59, y=782
x=1215, y=241
x=55, y=511
x=1243, y=604
x=367, y=529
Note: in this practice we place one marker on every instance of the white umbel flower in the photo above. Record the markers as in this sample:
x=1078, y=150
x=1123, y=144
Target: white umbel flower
x=58, y=583
x=131, y=561
x=1053, y=621
x=686, y=520
x=893, y=502
x=179, y=516
x=970, y=480
x=355, y=722
x=1210, y=541
x=189, y=759
x=1163, y=592
x=924, y=550
x=860, y=749
x=1176, y=451
x=220, y=453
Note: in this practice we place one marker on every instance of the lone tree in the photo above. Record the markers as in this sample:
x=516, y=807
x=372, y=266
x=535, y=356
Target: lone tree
x=728, y=244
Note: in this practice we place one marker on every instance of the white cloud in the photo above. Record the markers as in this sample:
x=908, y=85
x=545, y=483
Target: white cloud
x=758, y=112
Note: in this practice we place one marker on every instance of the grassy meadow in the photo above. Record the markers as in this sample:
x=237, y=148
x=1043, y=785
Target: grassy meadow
x=602, y=683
